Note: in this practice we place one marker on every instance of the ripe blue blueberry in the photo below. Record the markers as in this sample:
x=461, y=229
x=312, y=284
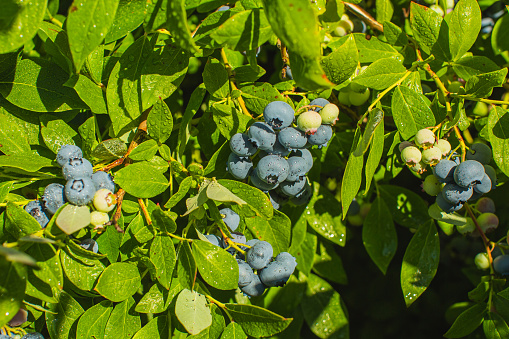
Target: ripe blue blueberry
x=354, y=208
x=277, y=149
x=239, y=167
x=447, y=206
x=490, y=171
x=319, y=102
x=53, y=197
x=259, y=183
x=304, y=196
x=67, y=152
x=278, y=114
x=279, y=271
x=103, y=180
x=501, y=264
x=259, y=255
x=35, y=209
x=236, y=238
x=262, y=136
x=480, y=152
x=223, y=8
x=33, y=335
x=242, y=146
x=292, y=188
x=475, y=196
x=292, y=138
x=444, y=170
x=77, y=168
x=321, y=137
x=255, y=288
x=230, y=218
x=297, y=168
x=213, y=239
x=90, y=245
x=306, y=155
x=276, y=199
x=483, y=186
x=246, y=274
x=273, y=169
x=455, y=194
x=79, y=191
x=468, y=173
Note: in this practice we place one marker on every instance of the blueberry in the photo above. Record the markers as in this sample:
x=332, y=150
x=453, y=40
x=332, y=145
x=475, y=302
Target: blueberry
x=67, y=152
x=273, y=169
x=278, y=114
x=236, y=238
x=35, y=209
x=53, y=197
x=303, y=197
x=230, y=218
x=488, y=222
x=481, y=261
x=285, y=257
x=424, y=138
x=329, y=114
x=297, y=168
x=501, y=264
x=90, y=245
x=277, y=149
x=104, y=200
x=33, y=335
x=455, y=194
x=289, y=74
x=490, y=171
x=487, y=25
x=255, y=288
x=259, y=255
x=319, y=102
x=277, y=200
x=309, y=121
x=292, y=138
x=447, y=206
x=354, y=208
x=19, y=318
x=242, y=146
x=444, y=170
x=321, y=137
x=103, y=180
x=480, y=152
x=279, y=271
x=485, y=205
x=223, y=8
x=252, y=242
x=262, y=136
x=444, y=146
x=411, y=155
x=292, y=188
x=239, y=167
x=431, y=185
x=484, y=186
x=431, y=155
x=475, y=196
x=469, y=172
x=306, y=155
x=246, y=274
x=77, y=168
x=259, y=183
x=99, y=219
x=80, y=191
x=4, y=336
x=213, y=239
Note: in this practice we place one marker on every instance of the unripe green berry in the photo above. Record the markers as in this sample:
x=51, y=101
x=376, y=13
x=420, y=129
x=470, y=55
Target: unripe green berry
x=329, y=114
x=481, y=261
x=411, y=155
x=425, y=138
x=404, y=144
x=98, y=219
x=104, y=200
x=454, y=86
x=437, y=9
x=358, y=99
x=355, y=220
x=481, y=109
x=468, y=228
x=418, y=168
x=444, y=146
x=309, y=121
x=488, y=222
x=344, y=97
x=431, y=185
x=431, y=156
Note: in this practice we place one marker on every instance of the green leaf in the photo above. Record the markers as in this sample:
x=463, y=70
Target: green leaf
x=61, y=321
x=384, y=11
x=148, y=185
x=56, y=132
x=162, y=254
x=328, y=264
x=381, y=74
x=186, y=266
x=191, y=109
x=471, y=65
x=86, y=25
x=109, y=241
x=72, y=218
x=29, y=162
x=110, y=148
x=467, y=321
x=374, y=49
x=498, y=35
x=156, y=328
x=256, y=321
x=93, y=322
x=215, y=78
x=18, y=222
x=16, y=256
x=162, y=221
x=47, y=282
x=160, y=122
x=19, y=23
x=308, y=73
x=81, y=272
x=379, y=235
x=420, y=262
x=375, y=153
x=129, y=15
x=233, y=331
x=154, y=301
x=352, y=181
x=218, y=192
x=229, y=119
x=426, y=26
x=140, y=231
x=184, y=187
x=495, y=327
x=247, y=73
x=394, y=34
x=464, y=27
x=257, y=202
x=12, y=289
x=216, y=266
x=407, y=208
x=144, y=151
x=192, y=311
x=342, y=62
x=498, y=124
x=87, y=132
x=276, y=230
x=481, y=86
x=177, y=25
x=259, y=95
x=11, y=140
x=323, y=310
x=118, y=282
x=91, y=93
x=39, y=86
x=243, y=31
x=124, y=321
x=411, y=111
x=304, y=253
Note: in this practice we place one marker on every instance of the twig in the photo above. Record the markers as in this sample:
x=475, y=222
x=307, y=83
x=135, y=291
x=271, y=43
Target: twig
x=364, y=16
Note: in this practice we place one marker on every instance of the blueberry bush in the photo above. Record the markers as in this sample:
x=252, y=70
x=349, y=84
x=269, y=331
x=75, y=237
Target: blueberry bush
x=254, y=168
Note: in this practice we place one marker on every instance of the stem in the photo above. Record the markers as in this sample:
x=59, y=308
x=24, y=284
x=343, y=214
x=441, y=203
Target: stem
x=381, y=95
x=364, y=16
x=483, y=236
x=231, y=76
x=487, y=101
x=145, y=211
x=19, y=203
x=53, y=20
x=179, y=238
x=118, y=212
x=462, y=142
x=221, y=305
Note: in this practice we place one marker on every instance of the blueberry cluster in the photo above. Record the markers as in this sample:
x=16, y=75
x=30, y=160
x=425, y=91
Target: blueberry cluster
x=432, y=150
x=280, y=149
x=257, y=268
x=82, y=187
x=454, y=182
